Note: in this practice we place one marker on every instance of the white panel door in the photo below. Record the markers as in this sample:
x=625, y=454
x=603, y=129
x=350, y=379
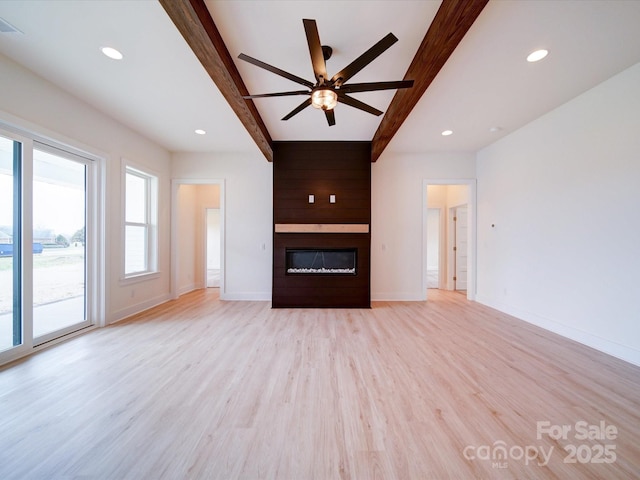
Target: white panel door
x=461, y=248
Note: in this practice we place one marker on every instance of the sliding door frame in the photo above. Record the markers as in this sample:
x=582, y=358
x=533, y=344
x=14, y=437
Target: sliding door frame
x=89, y=251
x=95, y=263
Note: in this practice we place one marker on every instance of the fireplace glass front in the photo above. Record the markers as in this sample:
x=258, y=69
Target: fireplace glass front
x=316, y=261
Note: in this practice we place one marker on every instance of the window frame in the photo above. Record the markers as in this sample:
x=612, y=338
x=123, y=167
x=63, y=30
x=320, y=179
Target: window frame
x=150, y=224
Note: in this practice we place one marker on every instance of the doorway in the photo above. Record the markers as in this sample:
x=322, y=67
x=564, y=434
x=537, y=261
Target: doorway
x=197, y=236
x=449, y=233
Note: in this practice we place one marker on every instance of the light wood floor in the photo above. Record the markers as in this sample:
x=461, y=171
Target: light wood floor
x=201, y=388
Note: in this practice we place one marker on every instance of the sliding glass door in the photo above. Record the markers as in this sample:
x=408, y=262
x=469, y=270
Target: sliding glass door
x=10, y=317
x=45, y=243
x=59, y=248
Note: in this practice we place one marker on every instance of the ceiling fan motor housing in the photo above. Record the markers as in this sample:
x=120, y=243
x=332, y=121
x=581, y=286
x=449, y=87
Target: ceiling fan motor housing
x=327, y=51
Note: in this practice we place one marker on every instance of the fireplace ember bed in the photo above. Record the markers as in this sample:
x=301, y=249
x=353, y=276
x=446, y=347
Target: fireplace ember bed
x=321, y=261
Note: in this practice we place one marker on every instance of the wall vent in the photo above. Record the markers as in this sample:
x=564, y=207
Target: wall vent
x=6, y=27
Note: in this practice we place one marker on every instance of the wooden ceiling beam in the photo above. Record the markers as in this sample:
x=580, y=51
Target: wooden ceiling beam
x=451, y=23
x=193, y=20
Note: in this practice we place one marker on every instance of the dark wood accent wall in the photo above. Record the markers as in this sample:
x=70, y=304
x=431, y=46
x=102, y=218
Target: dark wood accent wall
x=322, y=169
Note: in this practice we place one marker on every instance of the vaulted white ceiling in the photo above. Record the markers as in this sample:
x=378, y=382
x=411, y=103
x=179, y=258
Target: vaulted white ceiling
x=160, y=89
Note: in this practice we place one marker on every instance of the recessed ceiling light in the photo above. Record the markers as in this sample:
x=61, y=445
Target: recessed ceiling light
x=446, y=133
x=495, y=129
x=537, y=55
x=112, y=53
x=199, y=131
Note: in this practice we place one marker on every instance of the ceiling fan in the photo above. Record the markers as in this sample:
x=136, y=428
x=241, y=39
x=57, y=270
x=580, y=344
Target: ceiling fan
x=326, y=92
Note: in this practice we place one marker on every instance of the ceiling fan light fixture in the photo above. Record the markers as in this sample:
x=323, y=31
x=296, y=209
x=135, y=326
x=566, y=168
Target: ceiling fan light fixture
x=324, y=99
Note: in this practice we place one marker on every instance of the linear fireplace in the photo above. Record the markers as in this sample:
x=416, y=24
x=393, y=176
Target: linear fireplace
x=321, y=225
x=321, y=261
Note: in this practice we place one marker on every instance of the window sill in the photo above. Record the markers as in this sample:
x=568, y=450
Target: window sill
x=141, y=277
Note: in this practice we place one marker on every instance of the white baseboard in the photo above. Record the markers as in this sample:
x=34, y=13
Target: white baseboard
x=623, y=352
x=246, y=296
x=138, y=308
x=187, y=288
x=397, y=297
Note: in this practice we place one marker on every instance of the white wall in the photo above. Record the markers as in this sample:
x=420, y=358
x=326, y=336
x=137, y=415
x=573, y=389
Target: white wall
x=187, y=224
x=248, y=217
x=563, y=193
x=433, y=238
x=397, y=215
x=213, y=239
x=33, y=103
x=457, y=195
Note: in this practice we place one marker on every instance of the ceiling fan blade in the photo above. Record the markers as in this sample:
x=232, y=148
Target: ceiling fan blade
x=298, y=109
x=277, y=71
x=352, y=102
x=363, y=60
x=370, y=87
x=331, y=117
x=315, y=50
x=278, y=94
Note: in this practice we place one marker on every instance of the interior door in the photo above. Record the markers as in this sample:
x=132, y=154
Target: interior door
x=460, y=248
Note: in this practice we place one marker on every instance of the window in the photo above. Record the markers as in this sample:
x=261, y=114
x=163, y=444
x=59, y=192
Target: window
x=140, y=214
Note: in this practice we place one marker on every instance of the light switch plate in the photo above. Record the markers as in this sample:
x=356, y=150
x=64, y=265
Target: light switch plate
x=312, y=199
x=332, y=199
